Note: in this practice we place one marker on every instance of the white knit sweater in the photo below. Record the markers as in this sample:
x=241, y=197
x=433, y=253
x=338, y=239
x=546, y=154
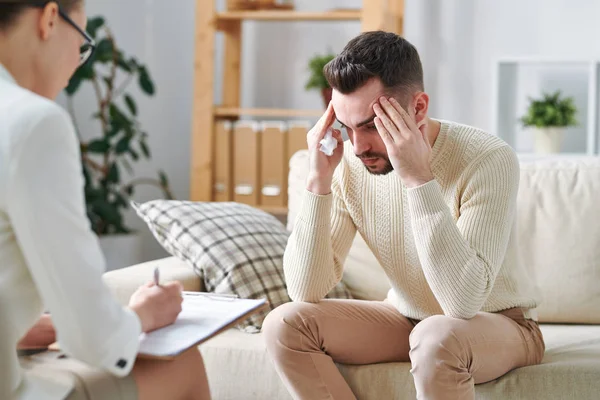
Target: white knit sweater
x=446, y=246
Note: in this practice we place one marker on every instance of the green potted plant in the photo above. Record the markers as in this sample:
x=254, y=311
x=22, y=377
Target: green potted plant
x=549, y=117
x=121, y=140
x=317, y=79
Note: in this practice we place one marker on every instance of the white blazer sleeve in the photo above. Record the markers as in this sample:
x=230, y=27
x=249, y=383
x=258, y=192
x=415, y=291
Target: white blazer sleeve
x=46, y=208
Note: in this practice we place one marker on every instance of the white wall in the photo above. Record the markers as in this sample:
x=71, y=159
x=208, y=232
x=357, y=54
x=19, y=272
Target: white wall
x=458, y=41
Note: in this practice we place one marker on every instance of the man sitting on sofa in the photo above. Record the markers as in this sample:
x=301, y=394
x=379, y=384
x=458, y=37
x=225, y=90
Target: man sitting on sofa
x=435, y=201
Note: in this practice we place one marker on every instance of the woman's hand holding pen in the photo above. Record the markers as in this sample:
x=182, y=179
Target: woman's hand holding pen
x=156, y=304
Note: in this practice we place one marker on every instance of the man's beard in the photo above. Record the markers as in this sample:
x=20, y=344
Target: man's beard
x=387, y=168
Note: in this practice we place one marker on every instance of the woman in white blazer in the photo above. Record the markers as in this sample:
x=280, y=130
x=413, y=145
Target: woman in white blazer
x=49, y=257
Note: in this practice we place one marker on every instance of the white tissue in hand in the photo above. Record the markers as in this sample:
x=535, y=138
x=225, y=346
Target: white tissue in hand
x=328, y=143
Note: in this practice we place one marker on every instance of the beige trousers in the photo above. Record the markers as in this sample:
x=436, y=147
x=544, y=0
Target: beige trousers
x=448, y=356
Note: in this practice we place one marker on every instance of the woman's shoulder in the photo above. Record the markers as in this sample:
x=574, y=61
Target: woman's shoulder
x=30, y=109
x=27, y=114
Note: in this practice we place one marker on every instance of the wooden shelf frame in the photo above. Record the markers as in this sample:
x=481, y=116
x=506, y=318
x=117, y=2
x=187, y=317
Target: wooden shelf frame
x=274, y=15
x=266, y=112
x=384, y=15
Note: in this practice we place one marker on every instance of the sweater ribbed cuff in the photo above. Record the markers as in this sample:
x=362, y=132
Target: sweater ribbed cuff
x=316, y=209
x=425, y=200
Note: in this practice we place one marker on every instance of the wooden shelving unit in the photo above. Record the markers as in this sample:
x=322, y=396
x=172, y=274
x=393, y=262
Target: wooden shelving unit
x=374, y=15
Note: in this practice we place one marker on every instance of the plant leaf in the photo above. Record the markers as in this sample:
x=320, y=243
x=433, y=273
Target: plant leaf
x=108, y=213
x=134, y=154
x=131, y=104
x=93, y=25
x=317, y=78
x=113, y=130
x=145, y=81
x=113, y=175
x=108, y=82
x=120, y=201
x=121, y=63
x=86, y=71
x=74, y=84
x=98, y=146
x=550, y=111
x=145, y=148
x=164, y=181
x=123, y=145
x=118, y=118
x=104, y=51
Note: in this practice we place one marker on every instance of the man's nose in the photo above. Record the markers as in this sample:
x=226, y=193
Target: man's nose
x=360, y=145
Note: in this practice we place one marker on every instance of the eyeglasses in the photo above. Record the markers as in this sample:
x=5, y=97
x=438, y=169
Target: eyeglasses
x=86, y=49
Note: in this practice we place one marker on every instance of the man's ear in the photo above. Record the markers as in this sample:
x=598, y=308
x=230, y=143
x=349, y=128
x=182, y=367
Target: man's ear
x=421, y=106
x=419, y=110
x=48, y=20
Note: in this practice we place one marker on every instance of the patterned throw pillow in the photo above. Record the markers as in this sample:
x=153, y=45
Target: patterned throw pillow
x=234, y=248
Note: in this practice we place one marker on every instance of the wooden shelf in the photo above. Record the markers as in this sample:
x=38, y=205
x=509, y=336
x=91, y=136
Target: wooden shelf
x=266, y=112
x=275, y=15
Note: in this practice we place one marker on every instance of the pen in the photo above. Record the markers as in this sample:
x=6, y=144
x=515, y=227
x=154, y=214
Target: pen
x=156, y=277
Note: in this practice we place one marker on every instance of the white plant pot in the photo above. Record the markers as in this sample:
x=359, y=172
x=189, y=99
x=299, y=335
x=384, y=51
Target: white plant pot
x=122, y=250
x=548, y=140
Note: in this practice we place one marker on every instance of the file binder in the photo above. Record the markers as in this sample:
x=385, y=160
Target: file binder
x=246, y=152
x=223, y=181
x=297, y=131
x=274, y=164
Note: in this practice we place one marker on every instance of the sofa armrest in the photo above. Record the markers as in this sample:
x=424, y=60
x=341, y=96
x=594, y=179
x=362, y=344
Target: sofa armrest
x=124, y=282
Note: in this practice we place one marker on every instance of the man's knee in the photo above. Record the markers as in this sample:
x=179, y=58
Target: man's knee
x=436, y=339
x=287, y=323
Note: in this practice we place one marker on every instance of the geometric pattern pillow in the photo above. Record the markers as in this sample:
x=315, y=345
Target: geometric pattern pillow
x=235, y=248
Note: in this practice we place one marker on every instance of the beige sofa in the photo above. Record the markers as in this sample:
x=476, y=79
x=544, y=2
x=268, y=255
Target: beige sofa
x=558, y=235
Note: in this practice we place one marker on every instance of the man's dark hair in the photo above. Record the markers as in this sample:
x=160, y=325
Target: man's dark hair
x=11, y=10
x=378, y=54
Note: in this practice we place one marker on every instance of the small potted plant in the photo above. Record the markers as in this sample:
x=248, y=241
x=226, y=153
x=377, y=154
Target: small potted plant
x=121, y=140
x=317, y=78
x=549, y=117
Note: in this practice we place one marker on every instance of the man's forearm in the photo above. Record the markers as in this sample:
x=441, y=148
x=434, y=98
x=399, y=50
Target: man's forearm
x=308, y=262
x=460, y=278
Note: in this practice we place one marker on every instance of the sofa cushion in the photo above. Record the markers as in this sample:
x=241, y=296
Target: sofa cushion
x=363, y=275
x=558, y=236
x=569, y=370
x=235, y=248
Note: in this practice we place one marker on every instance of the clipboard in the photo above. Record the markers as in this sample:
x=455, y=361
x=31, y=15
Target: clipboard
x=194, y=325
x=203, y=316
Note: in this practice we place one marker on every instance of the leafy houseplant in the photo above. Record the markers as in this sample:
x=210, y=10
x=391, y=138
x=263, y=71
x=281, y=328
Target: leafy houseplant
x=317, y=79
x=550, y=116
x=122, y=139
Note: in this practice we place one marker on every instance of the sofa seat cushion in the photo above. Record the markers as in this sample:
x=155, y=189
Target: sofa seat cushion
x=239, y=368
